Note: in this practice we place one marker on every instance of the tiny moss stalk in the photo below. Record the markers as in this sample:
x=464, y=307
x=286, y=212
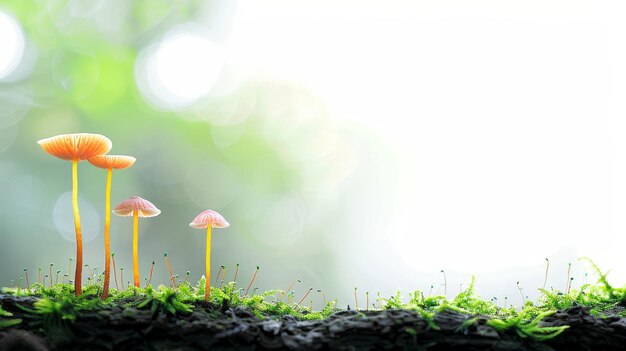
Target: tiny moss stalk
x=305, y=295
x=445, y=283
x=69, y=273
x=569, y=270
x=27, y=280
x=151, y=271
x=521, y=294
x=219, y=271
x=252, y=280
x=169, y=267
x=545, y=279
x=114, y=270
x=236, y=271
x=289, y=288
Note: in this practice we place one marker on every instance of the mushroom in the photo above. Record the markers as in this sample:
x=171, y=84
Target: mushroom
x=76, y=147
x=136, y=207
x=208, y=219
x=109, y=162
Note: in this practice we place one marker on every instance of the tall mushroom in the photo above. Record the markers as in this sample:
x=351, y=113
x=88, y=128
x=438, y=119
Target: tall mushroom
x=76, y=147
x=109, y=162
x=208, y=219
x=136, y=207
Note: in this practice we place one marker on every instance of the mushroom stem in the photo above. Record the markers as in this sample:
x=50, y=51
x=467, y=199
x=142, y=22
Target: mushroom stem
x=107, y=236
x=79, y=236
x=136, y=248
x=207, y=280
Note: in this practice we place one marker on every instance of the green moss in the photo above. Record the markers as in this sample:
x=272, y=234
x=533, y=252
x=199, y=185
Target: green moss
x=4, y=322
x=57, y=306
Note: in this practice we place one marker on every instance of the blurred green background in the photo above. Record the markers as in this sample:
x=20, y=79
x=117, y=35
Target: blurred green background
x=296, y=185
x=349, y=143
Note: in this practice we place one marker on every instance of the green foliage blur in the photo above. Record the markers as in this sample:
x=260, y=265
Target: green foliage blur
x=265, y=155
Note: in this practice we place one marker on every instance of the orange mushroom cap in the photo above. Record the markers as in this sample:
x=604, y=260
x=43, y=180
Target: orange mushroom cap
x=78, y=145
x=143, y=207
x=112, y=161
x=209, y=217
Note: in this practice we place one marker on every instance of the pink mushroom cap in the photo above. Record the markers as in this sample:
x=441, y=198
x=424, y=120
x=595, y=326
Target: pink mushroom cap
x=143, y=207
x=209, y=217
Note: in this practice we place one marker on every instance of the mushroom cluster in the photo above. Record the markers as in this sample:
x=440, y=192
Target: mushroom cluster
x=94, y=148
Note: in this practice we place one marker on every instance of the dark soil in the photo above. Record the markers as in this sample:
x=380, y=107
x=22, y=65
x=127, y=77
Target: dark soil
x=123, y=328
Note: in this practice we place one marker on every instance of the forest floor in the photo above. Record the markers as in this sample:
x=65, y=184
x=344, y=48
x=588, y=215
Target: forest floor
x=118, y=326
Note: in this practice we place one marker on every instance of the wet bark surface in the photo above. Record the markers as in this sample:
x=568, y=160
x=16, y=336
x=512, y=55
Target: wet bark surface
x=123, y=328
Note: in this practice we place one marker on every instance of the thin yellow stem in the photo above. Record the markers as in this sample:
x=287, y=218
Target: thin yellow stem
x=207, y=275
x=107, y=236
x=136, y=247
x=79, y=236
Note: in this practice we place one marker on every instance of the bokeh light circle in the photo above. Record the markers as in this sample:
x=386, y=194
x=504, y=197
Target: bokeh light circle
x=180, y=69
x=201, y=184
x=278, y=223
x=11, y=45
x=63, y=217
x=21, y=193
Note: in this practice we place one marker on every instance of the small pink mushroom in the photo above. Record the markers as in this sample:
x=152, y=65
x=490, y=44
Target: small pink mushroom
x=136, y=207
x=208, y=219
